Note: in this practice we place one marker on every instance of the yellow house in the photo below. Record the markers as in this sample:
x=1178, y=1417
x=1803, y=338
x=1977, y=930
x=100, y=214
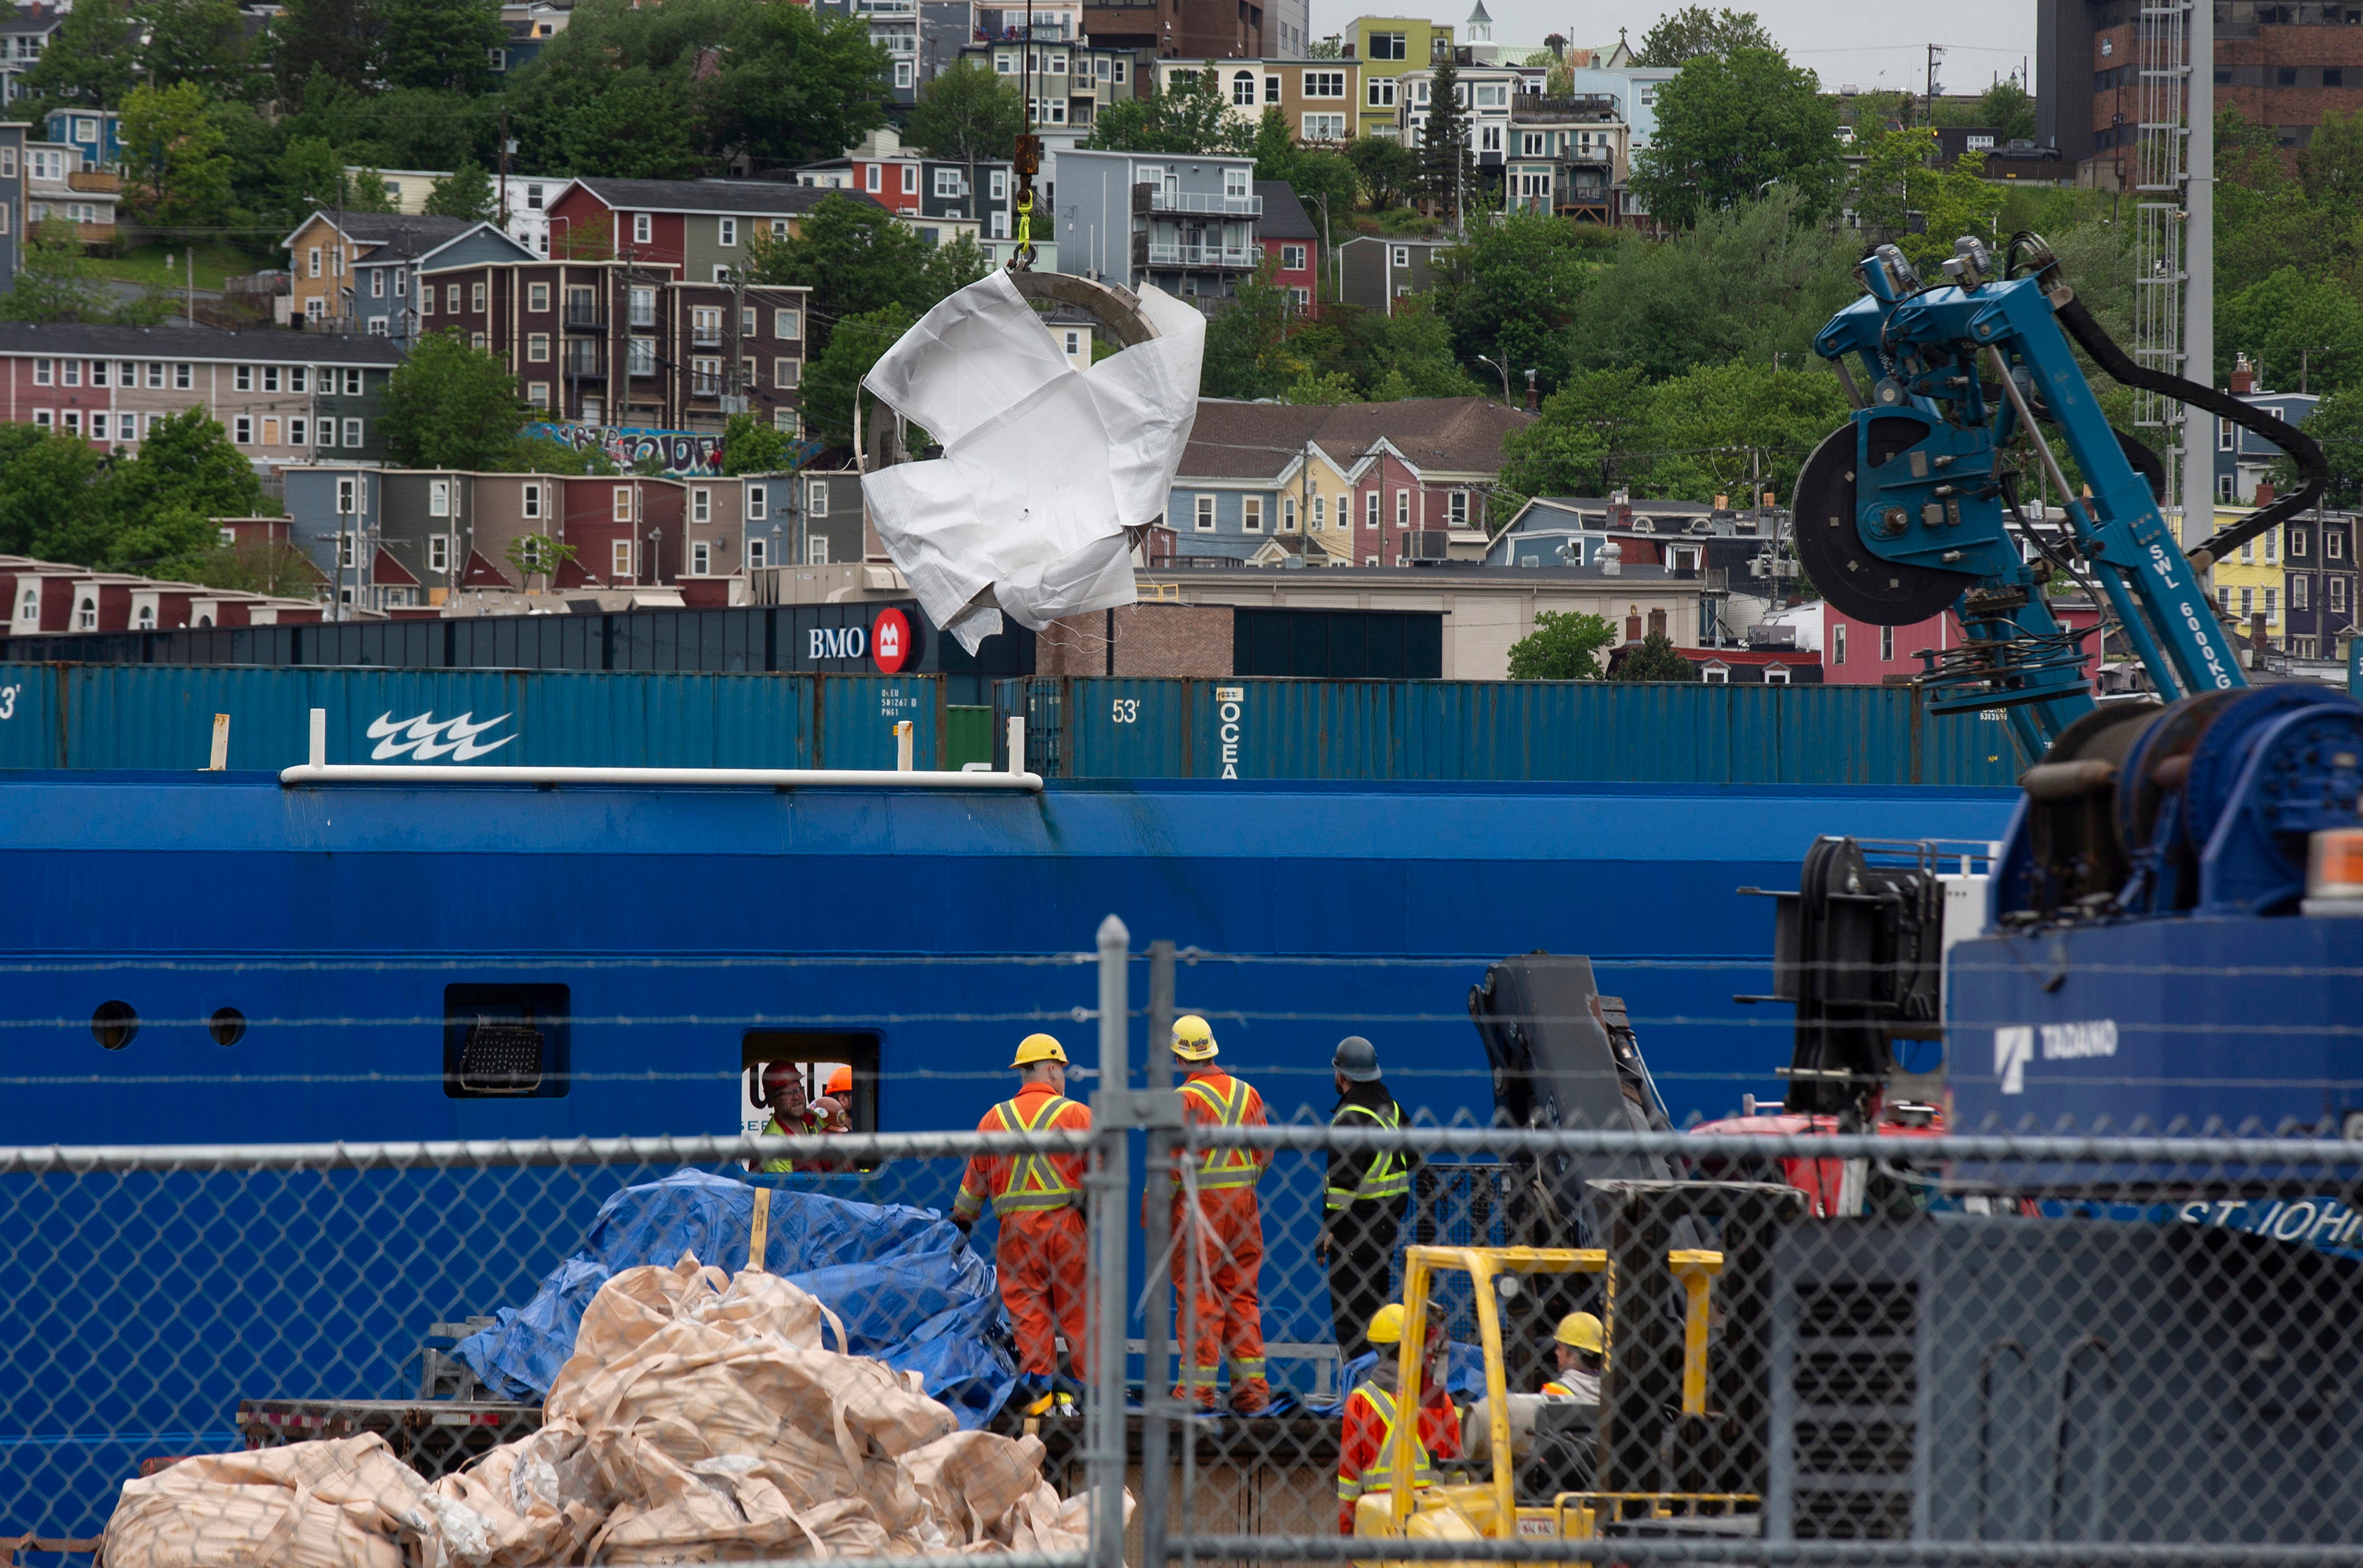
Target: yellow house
x=2251, y=579
x=1387, y=47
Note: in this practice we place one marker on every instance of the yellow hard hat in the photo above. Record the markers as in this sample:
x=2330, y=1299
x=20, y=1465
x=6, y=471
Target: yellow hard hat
x=1386, y=1327
x=1582, y=1330
x=1038, y=1047
x=1192, y=1039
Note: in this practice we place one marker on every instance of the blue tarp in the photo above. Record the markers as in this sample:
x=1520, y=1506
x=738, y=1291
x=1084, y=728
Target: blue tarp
x=908, y=1288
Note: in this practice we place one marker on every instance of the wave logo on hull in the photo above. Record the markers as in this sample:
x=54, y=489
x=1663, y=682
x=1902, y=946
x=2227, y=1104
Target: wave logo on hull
x=426, y=737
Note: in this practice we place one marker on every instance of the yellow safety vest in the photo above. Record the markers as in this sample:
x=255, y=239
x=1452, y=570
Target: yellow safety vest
x=1035, y=1182
x=1225, y=1167
x=1388, y=1174
x=1380, y=1474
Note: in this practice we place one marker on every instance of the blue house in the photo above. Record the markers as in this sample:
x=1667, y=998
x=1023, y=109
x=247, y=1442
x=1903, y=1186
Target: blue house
x=96, y=134
x=385, y=279
x=2243, y=457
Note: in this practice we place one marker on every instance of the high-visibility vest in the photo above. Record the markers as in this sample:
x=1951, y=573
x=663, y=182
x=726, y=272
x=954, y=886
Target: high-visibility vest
x=1033, y=1181
x=808, y=1122
x=1379, y=1474
x=1388, y=1175
x=1225, y=1167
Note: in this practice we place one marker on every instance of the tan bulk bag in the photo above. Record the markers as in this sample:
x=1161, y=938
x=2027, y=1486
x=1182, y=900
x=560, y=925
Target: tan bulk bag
x=347, y=1504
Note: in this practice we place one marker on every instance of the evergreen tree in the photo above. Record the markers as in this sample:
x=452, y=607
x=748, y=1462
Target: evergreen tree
x=440, y=44
x=1445, y=165
x=1655, y=659
x=337, y=39
x=968, y=113
x=193, y=41
x=90, y=58
x=466, y=191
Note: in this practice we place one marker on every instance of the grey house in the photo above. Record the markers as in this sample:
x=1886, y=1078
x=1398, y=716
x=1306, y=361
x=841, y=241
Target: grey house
x=1184, y=223
x=1375, y=270
x=386, y=281
x=11, y=201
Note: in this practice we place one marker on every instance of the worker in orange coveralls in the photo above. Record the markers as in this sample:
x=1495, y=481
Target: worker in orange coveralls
x=1219, y=1242
x=1365, y=1441
x=1038, y=1199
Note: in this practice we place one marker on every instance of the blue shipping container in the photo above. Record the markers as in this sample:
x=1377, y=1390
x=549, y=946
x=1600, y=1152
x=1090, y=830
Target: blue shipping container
x=155, y=717
x=1504, y=731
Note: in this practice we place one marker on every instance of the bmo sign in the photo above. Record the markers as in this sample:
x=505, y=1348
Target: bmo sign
x=890, y=642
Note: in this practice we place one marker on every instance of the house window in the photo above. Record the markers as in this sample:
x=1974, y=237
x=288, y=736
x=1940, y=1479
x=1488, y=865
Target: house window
x=439, y=553
x=426, y=299
x=1776, y=674
x=2224, y=438
x=1886, y=644
x=1838, y=643
x=701, y=558
x=1243, y=89
x=1381, y=94
x=1324, y=83
x=910, y=178
x=785, y=372
x=478, y=341
x=2247, y=603
x=184, y=377
x=1292, y=257
x=2298, y=593
x=1370, y=509
x=42, y=372
x=536, y=348
x=2272, y=608
x=1251, y=514
x=241, y=429
x=327, y=432
x=2297, y=544
x=1204, y=514
x=2249, y=552
x=1288, y=514
x=296, y=429
x=1235, y=183
x=640, y=357
x=311, y=262
x=701, y=505
x=2338, y=592
x=754, y=554
x=726, y=231
x=44, y=418
x=1119, y=69
x=815, y=549
x=1324, y=127
x=1716, y=675
x=787, y=324
x=86, y=616
x=73, y=420
x=401, y=283
x=622, y=510
x=377, y=282
x=1455, y=508
x=1271, y=89
x=757, y=503
x=2223, y=600
x=816, y=498
x=644, y=230
x=451, y=299
x=619, y=557
x=1389, y=46
x=270, y=377
x=536, y=297
x=1321, y=511
x=902, y=73
x=1403, y=508
x=870, y=178
x=242, y=378
x=1403, y=255
x=438, y=497
x=352, y=432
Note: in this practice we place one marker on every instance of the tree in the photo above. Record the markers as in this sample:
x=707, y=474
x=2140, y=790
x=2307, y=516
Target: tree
x=794, y=84
x=857, y=259
x=448, y=405
x=367, y=190
x=539, y=555
x=465, y=193
x=172, y=146
x=1511, y=290
x=1407, y=354
x=437, y=43
x=46, y=489
x=2331, y=167
x=2337, y=424
x=1191, y=116
x=1683, y=36
x=2008, y=109
x=635, y=130
x=193, y=41
x=1730, y=126
x=750, y=446
x=90, y=58
x=969, y=114
x=833, y=380
x=54, y=283
x=253, y=566
x=1586, y=427
x=1309, y=390
x=337, y=39
x=1248, y=353
x=1655, y=659
x=1389, y=169
x=1446, y=165
x=1562, y=647
x=185, y=464
x=2298, y=329
x=1905, y=198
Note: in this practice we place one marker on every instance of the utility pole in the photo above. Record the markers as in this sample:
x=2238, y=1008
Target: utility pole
x=1928, y=106
x=2199, y=268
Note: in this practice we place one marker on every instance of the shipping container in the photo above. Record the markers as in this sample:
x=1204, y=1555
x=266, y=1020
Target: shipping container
x=127, y=716
x=1504, y=731
x=778, y=640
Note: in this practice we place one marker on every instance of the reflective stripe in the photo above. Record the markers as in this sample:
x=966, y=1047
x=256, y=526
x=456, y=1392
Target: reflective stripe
x=1387, y=1176
x=1034, y=1183
x=1379, y=1476
x=813, y=1125
x=1247, y=1368
x=1225, y=1167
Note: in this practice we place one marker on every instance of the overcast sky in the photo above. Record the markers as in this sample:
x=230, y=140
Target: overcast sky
x=1883, y=45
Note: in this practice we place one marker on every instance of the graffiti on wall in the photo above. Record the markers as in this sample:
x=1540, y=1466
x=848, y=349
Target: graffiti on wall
x=677, y=451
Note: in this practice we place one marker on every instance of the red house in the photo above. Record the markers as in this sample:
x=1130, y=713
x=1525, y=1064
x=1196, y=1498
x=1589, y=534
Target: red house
x=1293, y=240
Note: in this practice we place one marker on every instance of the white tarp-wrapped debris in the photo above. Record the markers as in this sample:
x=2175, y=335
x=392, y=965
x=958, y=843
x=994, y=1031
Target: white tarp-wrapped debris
x=1044, y=465
x=699, y=1419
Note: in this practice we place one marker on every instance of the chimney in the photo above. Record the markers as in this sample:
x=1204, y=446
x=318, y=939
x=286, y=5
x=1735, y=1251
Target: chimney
x=2244, y=375
x=2257, y=642
x=1533, y=398
x=1611, y=559
x=1722, y=503
x=2264, y=491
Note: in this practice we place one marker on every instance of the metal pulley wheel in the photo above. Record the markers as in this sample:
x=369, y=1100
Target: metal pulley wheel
x=1828, y=532
x=1115, y=311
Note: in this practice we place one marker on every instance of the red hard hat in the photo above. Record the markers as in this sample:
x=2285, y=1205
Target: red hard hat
x=779, y=1072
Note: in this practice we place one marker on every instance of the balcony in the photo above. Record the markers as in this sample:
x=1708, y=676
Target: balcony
x=1593, y=107
x=584, y=316
x=706, y=385
x=1162, y=200
x=706, y=336
x=98, y=180
x=1241, y=256
x=643, y=316
x=585, y=359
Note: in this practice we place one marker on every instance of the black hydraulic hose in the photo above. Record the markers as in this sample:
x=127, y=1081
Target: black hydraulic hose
x=2121, y=368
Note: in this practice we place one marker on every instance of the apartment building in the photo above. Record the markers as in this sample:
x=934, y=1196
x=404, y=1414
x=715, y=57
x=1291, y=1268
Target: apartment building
x=281, y=397
x=941, y=199
x=1566, y=155
x=628, y=343
x=703, y=229
x=1484, y=93
x=1315, y=97
x=1229, y=30
x=60, y=183
x=1185, y=224
x=1066, y=78
x=324, y=248
x=2319, y=583
x=384, y=298
x=1387, y=47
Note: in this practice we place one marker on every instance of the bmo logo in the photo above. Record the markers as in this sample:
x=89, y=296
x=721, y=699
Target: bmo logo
x=890, y=642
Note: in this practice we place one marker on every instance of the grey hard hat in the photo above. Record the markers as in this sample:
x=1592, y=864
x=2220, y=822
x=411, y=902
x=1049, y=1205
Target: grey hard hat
x=1357, y=1058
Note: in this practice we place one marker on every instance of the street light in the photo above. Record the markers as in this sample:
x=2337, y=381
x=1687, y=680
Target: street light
x=1504, y=368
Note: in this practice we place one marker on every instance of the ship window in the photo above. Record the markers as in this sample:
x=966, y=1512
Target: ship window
x=227, y=1026
x=114, y=1025
x=504, y=1041
x=817, y=1055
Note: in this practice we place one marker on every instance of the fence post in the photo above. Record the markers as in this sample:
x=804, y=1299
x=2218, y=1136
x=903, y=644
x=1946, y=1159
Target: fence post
x=1155, y=1453
x=1111, y=1186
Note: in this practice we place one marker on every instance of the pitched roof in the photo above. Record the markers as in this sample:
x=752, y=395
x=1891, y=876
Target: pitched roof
x=481, y=573
x=762, y=198
x=414, y=247
x=1248, y=440
x=1454, y=435
x=207, y=343
x=390, y=227
x=388, y=573
x=1283, y=215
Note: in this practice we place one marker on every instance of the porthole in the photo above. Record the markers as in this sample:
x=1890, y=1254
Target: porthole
x=114, y=1025
x=227, y=1026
